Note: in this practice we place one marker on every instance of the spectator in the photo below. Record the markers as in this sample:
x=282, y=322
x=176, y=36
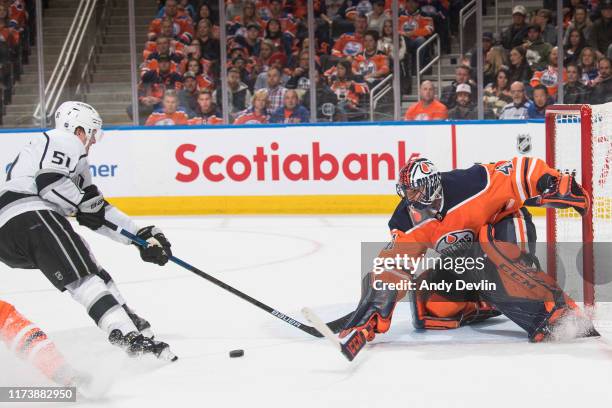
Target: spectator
x=258, y=112
x=240, y=24
x=487, y=44
x=299, y=77
x=601, y=33
x=238, y=93
x=514, y=34
x=580, y=22
x=588, y=63
x=276, y=91
x=203, y=81
x=347, y=14
x=574, y=91
x=372, y=65
x=428, y=108
x=519, y=68
x=8, y=35
x=543, y=19
x=287, y=24
x=326, y=101
x=464, y=109
x=278, y=61
x=385, y=42
x=181, y=23
x=183, y=5
x=209, y=46
x=462, y=76
x=415, y=28
x=494, y=61
x=206, y=111
x=348, y=91
x=251, y=40
x=519, y=107
x=541, y=99
x=163, y=73
x=602, y=89
x=281, y=40
x=351, y=44
x=573, y=47
x=162, y=47
x=170, y=114
x=497, y=95
x=377, y=17
x=262, y=60
x=537, y=50
x=194, y=52
x=549, y=77
x=205, y=13
x=188, y=94
x=291, y=111
x=233, y=9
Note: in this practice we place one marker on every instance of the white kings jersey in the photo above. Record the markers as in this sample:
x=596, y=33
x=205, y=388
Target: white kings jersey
x=50, y=173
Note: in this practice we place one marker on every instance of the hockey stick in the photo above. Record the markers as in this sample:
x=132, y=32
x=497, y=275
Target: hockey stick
x=350, y=348
x=335, y=325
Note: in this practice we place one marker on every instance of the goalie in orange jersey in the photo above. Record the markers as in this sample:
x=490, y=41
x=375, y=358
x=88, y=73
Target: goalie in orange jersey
x=450, y=213
x=30, y=343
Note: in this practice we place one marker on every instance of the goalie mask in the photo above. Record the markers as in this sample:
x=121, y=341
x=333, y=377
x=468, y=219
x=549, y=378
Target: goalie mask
x=420, y=184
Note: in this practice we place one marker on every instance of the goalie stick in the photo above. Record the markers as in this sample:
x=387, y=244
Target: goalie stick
x=334, y=326
x=350, y=348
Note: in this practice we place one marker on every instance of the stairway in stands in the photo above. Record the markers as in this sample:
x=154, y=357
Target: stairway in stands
x=56, y=22
x=451, y=61
x=110, y=91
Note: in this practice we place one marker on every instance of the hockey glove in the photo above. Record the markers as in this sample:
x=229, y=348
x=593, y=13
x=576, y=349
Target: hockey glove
x=560, y=192
x=158, y=250
x=375, y=309
x=91, y=208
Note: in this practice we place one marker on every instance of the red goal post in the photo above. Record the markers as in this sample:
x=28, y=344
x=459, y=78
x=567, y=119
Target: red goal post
x=579, y=139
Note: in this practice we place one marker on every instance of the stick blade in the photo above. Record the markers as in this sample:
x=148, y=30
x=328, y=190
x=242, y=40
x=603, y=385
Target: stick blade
x=321, y=327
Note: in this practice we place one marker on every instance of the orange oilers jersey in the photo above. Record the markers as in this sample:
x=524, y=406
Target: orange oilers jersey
x=348, y=45
x=176, y=47
x=164, y=119
x=208, y=120
x=348, y=90
x=436, y=110
x=420, y=26
x=9, y=36
x=183, y=27
x=18, y=16
x=363, y=65
x=548, y=77
x=473, y=197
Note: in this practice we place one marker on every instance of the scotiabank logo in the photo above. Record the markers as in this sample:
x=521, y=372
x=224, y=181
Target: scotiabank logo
x=267, y=164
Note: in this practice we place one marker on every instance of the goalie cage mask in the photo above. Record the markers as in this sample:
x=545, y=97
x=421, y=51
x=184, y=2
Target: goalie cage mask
x=420, y=184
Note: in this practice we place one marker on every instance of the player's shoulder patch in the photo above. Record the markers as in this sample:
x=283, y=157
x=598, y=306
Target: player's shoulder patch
x=505, y=167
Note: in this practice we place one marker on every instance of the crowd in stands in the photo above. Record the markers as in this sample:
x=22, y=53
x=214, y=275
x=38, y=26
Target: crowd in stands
x=267, y=67
x=16, y=26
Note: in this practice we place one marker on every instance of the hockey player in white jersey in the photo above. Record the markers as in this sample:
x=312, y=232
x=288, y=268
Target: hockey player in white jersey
x=50, y=180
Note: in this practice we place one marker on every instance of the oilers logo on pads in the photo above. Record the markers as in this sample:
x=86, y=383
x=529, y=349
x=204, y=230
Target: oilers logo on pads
x=455, y=242
x=504, y=168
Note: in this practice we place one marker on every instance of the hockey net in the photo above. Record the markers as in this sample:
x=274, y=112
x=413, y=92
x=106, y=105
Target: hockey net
x=579, y=250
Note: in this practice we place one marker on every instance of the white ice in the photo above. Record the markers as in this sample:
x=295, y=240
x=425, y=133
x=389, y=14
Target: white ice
x=288, y=263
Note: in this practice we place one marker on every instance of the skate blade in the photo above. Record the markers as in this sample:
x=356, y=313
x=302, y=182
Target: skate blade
x=167, y=355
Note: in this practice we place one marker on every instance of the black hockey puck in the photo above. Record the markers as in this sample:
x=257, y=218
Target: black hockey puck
x=236, y=353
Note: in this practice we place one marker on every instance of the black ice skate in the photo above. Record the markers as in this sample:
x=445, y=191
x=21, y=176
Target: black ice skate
x=141, y=324
x=135, y=344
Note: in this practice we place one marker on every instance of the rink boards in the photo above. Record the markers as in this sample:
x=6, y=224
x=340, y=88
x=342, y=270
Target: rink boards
x=278, y=169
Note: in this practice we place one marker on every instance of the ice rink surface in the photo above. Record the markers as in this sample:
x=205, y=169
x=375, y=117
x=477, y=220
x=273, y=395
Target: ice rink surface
x=288, y=263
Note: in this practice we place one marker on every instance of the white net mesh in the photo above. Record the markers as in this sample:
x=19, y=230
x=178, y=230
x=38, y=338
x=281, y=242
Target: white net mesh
x=568, y=148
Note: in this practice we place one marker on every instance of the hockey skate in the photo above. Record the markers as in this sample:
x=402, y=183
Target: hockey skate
x=143, y=326
x=135, y=344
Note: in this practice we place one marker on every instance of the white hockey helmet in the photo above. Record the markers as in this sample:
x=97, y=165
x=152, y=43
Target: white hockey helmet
x=73, y=114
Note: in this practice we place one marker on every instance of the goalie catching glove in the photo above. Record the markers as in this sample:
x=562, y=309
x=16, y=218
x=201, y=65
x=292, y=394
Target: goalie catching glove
x=375, y=309
x=158, y=251
x=560, y=192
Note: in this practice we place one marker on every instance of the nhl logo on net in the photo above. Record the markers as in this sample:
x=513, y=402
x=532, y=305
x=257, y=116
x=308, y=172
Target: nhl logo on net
x=523, y=143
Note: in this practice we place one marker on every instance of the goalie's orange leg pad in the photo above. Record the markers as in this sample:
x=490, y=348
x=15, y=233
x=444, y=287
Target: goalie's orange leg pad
x=30, y=343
